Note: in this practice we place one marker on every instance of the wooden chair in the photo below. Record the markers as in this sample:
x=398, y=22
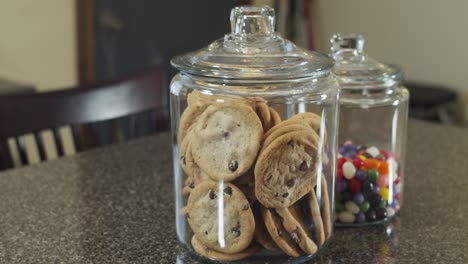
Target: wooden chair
x=79, y=107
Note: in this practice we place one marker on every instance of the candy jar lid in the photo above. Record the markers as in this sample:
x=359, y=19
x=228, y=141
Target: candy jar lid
x=354, y=69
x=253, y=50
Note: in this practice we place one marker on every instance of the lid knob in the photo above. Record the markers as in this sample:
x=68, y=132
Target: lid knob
x=252, y=20
x=347, y=48
x=348, y=42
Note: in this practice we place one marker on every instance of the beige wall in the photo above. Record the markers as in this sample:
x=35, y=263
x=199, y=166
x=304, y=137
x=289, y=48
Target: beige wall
x=427, y=38
x=38, y=42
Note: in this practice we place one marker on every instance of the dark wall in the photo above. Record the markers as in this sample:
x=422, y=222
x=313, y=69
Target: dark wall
x=132, y=35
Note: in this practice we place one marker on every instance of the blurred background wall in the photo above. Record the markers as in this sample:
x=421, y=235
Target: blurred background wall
x=427, y=38
x=38, y=42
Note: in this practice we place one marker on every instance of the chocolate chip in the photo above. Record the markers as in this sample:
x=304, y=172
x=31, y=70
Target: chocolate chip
x=245, y=207
x=183, y=159
x=295, y=236
x=276, y=195
x=303, y=166
x=212, y=194
x=228, y=190
x=285, y=195
x=291, y=182
x=225, y=134
x=206, y=232
x=290, y=143
x=236, y=230
x=269, y=178
x=233, y=165
x=192, y=185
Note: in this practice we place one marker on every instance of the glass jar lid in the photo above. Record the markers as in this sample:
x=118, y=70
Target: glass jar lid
x=253, y=51
x=354, y=69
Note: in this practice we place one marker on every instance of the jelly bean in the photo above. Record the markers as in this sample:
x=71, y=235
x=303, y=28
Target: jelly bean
x=381, y=213
x=382, y=204
x=373, y=151
x=375, y=200
x=395, y=203
x=339, y=207
x=397, y=196
x=367, y=188
x=352, y=207
x=364, y=207
x=349, y=170
x=350, y=147
x=358, y=198
x=358, y=163
x=361, y=175
x=372, y=174
x=362, y=157
x=341, y=186
x=383, y=168
x=384, y=193
x=397, y=180
x=376, y=189
x=370, y=216
x=390, y=211
x=339, y=174
x=354, y=185
x=361, y=217
x=382, y=181
x=384, y=153
x=341, y=150
x=380, y=157
x=371, y=163
x=340, y=162
x=346, y=217
x=350, y=154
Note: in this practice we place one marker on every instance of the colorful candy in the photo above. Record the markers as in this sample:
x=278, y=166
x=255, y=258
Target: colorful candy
x=368, y=184
x=349, y=170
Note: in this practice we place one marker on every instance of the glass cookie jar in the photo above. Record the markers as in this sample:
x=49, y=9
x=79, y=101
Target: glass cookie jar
x=253, y=123
x=372, y=134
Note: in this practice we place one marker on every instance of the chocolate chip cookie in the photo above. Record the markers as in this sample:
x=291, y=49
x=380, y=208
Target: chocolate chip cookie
x=226, y=140
x=220, y=256
x=293, y=222
x=220, y=217
x=286, y=169
x=282, y=238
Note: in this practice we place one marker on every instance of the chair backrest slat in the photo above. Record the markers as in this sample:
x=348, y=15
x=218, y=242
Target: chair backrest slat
x=75, y=131
x=19, y=140
x=40, y=146
x=58, y=142
x=6, y=160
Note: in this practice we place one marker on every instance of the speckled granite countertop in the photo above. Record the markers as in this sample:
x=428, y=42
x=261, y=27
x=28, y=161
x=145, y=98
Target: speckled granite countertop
x=115, y=205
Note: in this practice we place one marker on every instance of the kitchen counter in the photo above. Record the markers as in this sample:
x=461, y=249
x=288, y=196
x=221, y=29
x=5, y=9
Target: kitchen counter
x=116, y=205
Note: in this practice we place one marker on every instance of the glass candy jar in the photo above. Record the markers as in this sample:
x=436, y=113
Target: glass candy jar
x=372, y=133
x=253, y=123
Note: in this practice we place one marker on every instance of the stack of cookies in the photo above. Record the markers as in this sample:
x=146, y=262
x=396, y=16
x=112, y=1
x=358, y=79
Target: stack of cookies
x=251, y=179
